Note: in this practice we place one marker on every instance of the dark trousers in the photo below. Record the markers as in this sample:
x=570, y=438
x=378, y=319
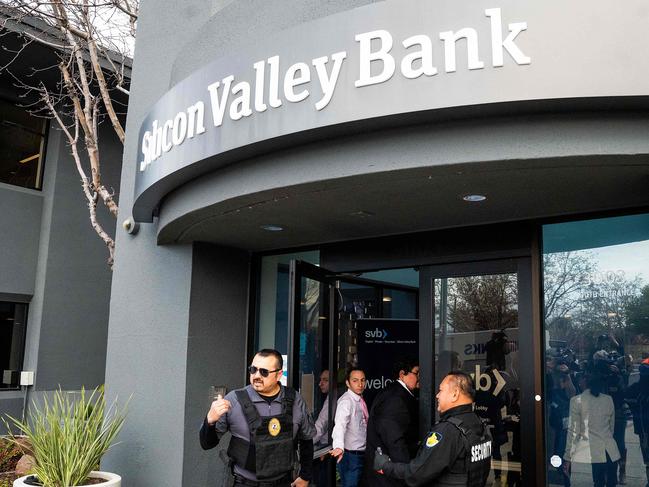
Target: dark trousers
x=322, y=472
x=239, y=484
x=351, y=468
x=242, y=482
x=605, y=474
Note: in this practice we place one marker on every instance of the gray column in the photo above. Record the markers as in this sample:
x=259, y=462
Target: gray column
x=216, y=352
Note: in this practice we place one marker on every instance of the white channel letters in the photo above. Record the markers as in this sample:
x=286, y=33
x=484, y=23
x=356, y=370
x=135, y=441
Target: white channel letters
x=481, y=452
x=238, y=99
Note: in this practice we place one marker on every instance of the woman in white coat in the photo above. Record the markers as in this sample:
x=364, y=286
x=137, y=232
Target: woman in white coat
x=590, y=434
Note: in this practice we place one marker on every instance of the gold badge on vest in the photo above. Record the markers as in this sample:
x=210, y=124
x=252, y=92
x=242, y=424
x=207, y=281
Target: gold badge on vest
x=274, y=427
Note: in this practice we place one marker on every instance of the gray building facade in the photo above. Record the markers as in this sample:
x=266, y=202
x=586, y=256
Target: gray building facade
x=301, y=170
x=54, y=277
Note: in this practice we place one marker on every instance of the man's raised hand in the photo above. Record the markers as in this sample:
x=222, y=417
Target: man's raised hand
x=218, y=409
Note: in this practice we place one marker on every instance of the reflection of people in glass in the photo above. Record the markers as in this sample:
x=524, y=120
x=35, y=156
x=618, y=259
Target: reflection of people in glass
x=320, y=465
x=491, y=400
x=447, y=360
x=590, y=433
x=560, y=390
x=497, y=348
x=609, y=366
x=637, y=396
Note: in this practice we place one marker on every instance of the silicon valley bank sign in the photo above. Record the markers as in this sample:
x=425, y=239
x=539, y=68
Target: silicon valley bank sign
x=379, y=66
x=237, y=99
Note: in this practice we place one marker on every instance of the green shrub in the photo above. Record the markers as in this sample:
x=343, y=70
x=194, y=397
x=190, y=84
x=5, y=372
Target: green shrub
x=69, y=436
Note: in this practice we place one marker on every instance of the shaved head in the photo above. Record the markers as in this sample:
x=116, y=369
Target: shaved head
x=463, y=382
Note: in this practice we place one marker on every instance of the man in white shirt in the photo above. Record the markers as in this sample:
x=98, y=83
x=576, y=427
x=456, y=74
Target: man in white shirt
x=350, y=429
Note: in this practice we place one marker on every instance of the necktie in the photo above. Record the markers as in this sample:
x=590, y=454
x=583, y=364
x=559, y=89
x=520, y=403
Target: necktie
x=366, y=414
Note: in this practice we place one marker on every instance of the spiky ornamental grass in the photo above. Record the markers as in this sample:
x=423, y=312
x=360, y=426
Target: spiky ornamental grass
x=70, y=435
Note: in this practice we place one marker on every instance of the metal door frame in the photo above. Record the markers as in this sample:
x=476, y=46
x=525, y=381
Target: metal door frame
x=530, y=341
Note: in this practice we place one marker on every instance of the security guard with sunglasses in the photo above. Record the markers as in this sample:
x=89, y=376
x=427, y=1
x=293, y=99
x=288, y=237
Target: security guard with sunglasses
x=267, y=421
x=457, y=452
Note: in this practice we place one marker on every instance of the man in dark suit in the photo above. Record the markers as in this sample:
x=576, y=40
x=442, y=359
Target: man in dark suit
x=394, y=423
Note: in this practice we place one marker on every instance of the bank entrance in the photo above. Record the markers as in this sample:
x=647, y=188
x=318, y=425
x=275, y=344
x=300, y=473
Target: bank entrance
x=472, y=316
x=543, y=315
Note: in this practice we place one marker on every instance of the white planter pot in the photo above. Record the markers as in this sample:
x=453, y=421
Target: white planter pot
x=111, y=480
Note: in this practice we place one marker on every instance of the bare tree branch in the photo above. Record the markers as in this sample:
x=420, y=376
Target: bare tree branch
x=91, y=196
x=84, y=36
x=108, y=103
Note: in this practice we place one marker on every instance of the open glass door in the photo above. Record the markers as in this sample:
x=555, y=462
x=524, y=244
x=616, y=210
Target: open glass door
x=311, y=341
x=340, y=321
x=477, y=316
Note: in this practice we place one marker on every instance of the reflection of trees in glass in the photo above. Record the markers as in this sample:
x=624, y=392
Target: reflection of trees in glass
x=582, y=303
x=483, y=302
x=565, y=275
x=637, y=312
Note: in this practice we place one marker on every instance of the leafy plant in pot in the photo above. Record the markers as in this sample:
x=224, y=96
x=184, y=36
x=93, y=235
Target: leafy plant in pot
x=69, y=435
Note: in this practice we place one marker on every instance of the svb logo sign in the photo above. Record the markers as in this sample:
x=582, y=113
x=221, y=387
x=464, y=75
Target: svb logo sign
x=376, y=333
x=484, y=381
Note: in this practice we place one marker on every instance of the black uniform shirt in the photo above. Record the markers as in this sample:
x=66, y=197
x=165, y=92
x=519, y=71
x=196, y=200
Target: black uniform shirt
x=443, y=452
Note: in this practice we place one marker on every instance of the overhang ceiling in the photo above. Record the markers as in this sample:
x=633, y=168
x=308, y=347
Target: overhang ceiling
x=412, y=200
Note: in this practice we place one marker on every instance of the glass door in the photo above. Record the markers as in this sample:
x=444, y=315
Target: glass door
x=477, y=318
x=341, y=321
x=311, y=336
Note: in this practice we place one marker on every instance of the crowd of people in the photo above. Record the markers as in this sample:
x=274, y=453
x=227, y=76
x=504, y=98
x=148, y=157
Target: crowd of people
x=590, y=402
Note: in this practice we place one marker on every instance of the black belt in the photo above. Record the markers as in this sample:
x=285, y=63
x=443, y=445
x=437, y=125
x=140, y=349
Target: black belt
x=238, y=479
x=355, y=452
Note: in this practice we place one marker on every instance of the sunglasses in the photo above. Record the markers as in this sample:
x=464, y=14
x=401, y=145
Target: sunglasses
x=252, y=370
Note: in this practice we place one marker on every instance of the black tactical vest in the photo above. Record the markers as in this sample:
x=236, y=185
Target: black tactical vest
x=270, y=452
x=478, y=453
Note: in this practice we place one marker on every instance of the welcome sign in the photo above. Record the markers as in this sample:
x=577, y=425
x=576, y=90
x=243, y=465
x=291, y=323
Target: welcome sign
x=381, y=342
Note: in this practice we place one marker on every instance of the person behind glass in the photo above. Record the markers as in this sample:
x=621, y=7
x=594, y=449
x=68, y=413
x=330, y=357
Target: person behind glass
x=590, y=433
x=266, y=421
x=456, y=452
x=637, y=396
x=393, y=424
x=322, y=422
x=489, y=404
x=350, y=429
x=608, y=366
x=320, y=465
x=559, y=417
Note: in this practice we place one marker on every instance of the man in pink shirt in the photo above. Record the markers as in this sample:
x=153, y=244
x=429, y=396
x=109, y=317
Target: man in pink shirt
x=350, y=429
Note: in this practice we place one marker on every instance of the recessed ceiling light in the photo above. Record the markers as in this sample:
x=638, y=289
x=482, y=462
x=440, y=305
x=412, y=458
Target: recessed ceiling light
x=474, y=198
x=387, y=299
x=272, y=228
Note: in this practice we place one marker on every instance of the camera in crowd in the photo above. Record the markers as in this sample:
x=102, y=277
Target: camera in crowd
x=563, y=359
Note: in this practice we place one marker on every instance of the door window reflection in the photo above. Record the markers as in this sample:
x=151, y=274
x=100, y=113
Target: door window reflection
x=596, y=315
x=476, y=330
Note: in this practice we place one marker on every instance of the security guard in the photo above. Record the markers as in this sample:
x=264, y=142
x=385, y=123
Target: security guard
x=457, y=452
x=266, y=421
